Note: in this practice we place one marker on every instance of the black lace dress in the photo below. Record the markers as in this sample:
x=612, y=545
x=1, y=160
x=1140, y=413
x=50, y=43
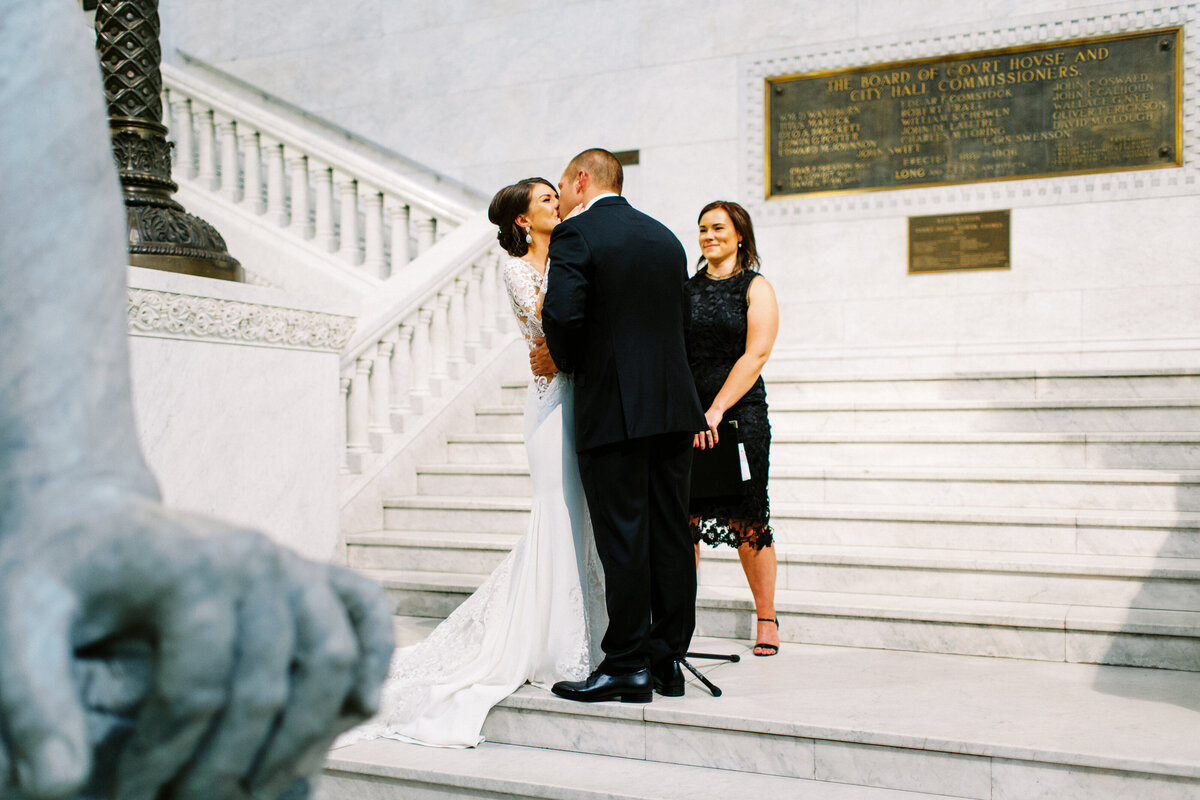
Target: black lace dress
x=716, y=340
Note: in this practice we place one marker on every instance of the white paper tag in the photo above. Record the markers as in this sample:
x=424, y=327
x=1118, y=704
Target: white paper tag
x=743, y=462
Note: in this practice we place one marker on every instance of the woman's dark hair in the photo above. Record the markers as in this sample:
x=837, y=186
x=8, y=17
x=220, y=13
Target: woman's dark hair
x=747, y=254
x=508, y=204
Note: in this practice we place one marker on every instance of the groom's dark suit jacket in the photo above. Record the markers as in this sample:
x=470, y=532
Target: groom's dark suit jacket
x=614, y=315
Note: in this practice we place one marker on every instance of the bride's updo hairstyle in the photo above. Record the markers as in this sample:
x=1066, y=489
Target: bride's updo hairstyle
x=508, y=204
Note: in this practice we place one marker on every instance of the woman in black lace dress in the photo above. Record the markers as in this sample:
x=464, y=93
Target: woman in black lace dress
x=733, y=325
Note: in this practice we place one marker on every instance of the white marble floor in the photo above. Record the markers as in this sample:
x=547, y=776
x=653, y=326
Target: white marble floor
x=958, y=726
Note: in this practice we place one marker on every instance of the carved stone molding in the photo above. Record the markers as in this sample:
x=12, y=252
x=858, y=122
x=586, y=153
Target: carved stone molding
x=185, y=316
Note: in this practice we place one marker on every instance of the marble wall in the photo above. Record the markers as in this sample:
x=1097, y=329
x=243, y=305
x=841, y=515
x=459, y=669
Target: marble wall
x=488, y=91
x=236, y=393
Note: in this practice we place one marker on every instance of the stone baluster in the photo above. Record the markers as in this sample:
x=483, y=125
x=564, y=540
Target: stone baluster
x=472, y=342
x=276, y=184
x=380, y=422
x=374, y=261
x=184, y=158
x=326, y=237
x=348, y=229
x=301, y=219
x=400, y=254
x=343, y=429
x=401, y=376
x=207, y=148
x=426, y=233
x=231, y=183
x=457, y=360
x=358, y=438
x=421, y=357
x=490, y=292
x=252, y=187
x=439, y=341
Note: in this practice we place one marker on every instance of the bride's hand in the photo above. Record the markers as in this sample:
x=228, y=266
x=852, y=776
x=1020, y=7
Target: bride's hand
x=576, y=211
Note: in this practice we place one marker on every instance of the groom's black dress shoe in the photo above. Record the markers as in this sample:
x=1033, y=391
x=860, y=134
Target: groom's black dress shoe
x=668, y=681
x=631, y=688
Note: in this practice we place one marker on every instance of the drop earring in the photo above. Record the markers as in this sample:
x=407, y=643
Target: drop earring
x=528, y=237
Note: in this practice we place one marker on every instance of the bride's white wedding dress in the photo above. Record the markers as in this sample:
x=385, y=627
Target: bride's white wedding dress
x=539, y=616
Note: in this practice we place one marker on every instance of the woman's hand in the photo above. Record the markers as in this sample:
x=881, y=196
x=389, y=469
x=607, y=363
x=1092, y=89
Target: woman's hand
x=576, y=211
x=709, y=437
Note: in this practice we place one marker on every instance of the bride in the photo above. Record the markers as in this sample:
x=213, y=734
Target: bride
x=539, y=616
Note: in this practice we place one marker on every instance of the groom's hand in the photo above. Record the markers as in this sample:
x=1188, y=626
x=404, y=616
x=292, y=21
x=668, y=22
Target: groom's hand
x=540, y=362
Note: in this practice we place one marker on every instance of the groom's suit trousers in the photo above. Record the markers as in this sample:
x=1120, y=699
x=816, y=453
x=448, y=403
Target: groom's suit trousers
x=637, y=493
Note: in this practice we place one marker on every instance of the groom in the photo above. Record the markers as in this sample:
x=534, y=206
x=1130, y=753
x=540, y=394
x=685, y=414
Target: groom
x=614, y=316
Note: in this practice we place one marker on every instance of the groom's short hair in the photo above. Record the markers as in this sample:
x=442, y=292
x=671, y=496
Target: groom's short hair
x=601, y=166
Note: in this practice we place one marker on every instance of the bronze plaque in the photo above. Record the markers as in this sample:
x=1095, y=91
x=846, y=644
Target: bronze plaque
x=958, y=242
x=1089, y=105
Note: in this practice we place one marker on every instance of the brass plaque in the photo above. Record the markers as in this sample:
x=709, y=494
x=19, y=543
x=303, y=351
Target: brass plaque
x=959, y=242
x=1089, y=105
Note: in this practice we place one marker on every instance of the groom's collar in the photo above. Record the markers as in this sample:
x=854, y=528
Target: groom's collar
x=592, y=202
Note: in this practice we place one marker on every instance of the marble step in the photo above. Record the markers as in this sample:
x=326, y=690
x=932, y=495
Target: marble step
x=486, y=448
x=477, y=513
x=1103, y=415
x=951, y=725
x=1167, y=639
x=1165, y=534
x=1029, y=450
x=988, y=415
x=387, y=768
x=785, y=385
x=947, y=725
x=1157, y=490
x=1169, y=533
x=1016, y=356
x=499, y=419
x=1055, y=578
x=1152, y=490
x=1123, y=450
x=433, y=551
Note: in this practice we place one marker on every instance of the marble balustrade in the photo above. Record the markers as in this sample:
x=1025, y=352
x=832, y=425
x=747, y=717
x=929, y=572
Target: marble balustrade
x=336, y=203
x=408, y=354
x=418, y=334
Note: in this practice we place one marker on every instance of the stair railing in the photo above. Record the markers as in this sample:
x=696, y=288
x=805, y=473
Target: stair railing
x=414, y=343
x=334, y=199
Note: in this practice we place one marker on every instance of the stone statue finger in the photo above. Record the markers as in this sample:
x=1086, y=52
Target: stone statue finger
x=325, y=664
x=259, y=683
x=43, y=720
x=371, y=618
x=195, y=624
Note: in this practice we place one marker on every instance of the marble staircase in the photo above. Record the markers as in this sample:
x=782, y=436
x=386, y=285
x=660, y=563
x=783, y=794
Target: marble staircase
x=1048, y=519
x=827, y=723
x=1051, y=515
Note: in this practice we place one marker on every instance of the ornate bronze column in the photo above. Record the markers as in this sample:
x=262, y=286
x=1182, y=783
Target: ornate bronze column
x=161, y=234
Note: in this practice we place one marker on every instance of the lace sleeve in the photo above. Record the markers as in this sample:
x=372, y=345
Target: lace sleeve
x=525, y=288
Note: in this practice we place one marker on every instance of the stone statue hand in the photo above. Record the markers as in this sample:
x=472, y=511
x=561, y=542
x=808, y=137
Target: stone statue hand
x=151, y=654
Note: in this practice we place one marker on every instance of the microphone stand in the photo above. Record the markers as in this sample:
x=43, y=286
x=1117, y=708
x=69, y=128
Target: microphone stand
x=732, y=658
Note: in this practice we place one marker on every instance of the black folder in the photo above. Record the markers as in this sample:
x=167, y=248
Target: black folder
x=717, y=470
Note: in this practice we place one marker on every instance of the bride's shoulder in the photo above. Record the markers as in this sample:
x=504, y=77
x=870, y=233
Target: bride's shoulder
x=517, y=264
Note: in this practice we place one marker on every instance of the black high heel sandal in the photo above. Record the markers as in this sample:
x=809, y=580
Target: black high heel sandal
x=774, y=648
